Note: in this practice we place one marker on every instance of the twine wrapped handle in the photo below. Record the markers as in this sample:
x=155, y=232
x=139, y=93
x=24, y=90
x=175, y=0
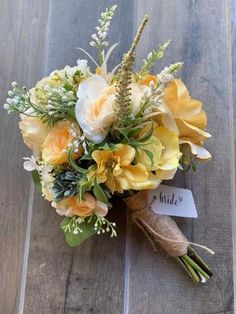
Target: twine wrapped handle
x=159, y=229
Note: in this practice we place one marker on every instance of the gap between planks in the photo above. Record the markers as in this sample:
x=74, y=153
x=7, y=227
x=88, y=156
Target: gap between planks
x=26, y=250
x=32, y=189
x=232, y=138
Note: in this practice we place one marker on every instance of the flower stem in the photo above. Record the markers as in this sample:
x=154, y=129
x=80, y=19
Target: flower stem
x=195, y=266
x=190, y=269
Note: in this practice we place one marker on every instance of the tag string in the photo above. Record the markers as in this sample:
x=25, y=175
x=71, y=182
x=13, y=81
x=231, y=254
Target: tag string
x=139, y=221
x=168, y=239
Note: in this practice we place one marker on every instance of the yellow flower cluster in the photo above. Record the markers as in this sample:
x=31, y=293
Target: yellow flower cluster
x=124, y=168
x=178, y=123
x=184, y=115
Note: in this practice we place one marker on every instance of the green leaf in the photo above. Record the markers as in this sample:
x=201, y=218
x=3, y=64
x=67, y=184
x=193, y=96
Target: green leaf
x=37, y=181
x=87, y=228
x=74, y=164
x=133, y=131
x=149, y=154
x=99, y=193
x=83, y=186
x=124, y=132
x=146, y=137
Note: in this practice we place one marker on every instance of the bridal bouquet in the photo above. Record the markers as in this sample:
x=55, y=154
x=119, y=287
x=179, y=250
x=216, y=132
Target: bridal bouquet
x=118, y=132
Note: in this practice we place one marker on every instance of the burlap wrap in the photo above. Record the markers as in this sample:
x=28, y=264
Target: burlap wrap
x=159, y=229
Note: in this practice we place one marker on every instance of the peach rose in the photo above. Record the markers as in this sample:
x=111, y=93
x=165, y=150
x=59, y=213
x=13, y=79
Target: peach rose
x=72, y=206
x=55, y=146
x=34, y=132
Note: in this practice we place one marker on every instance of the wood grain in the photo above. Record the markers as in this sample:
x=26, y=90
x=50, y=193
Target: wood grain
x=21, y=55
x=157, y=284
x=120, y=275
x=89, y=278
x=231, y=16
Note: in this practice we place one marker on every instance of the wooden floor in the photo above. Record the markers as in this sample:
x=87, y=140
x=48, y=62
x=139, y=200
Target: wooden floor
x=39, y=273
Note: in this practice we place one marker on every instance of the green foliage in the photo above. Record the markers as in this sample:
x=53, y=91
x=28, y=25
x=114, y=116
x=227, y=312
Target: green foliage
x=77, y=230
x=150, y=155
x=99, y=39
x=188, y=163
x=99, y=193
x=152, y=58
x=78, y=77
x=65, y=185
x=175, y=67
x=83, y=185
x=131, y=135
x=60, y=103
x=73, y=163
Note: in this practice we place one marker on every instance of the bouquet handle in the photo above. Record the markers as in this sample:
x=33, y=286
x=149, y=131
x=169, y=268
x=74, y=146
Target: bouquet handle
x=162, y=230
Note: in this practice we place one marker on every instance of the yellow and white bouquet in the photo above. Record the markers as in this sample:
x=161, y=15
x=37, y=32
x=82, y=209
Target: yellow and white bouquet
x=95, y=135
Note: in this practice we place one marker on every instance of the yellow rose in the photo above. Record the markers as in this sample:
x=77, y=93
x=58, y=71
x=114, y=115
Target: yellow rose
x=115, y=169
x=187, y=116
x=164, y=147
x=95, y=106
x=34, y=132
x=72, y=206
x=55, y=146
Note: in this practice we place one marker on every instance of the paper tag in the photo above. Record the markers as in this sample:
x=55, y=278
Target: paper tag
x=172, y=201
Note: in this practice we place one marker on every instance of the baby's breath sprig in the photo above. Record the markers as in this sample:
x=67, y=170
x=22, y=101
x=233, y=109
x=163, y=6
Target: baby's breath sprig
x=73, y=225
x=76, y=225
x=60, y=103
x=103, y=225
x=152, y=58
x=99, y=39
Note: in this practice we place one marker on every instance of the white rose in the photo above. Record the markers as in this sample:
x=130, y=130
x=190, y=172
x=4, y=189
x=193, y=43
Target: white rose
x=95, y=106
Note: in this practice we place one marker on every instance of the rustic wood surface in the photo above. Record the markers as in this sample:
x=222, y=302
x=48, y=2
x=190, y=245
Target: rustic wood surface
x=22, y=27
x=39, y=272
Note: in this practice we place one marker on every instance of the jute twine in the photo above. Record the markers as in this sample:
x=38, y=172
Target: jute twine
x=159, y=229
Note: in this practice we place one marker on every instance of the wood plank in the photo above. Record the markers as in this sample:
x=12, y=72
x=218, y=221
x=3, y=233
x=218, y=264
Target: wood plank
x=89, y=278
x=157, y=284
x=21, y=47
x=231, y=14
